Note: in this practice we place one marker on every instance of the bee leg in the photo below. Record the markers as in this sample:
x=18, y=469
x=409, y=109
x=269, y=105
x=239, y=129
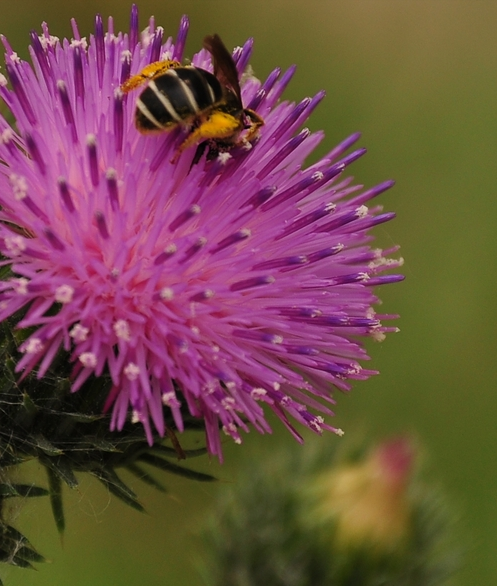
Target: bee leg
x=218, y=125
x=199, y=152
x=255, y=123
x=147, y=73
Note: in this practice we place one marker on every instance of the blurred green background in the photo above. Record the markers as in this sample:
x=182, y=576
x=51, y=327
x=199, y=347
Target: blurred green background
x=419, y=79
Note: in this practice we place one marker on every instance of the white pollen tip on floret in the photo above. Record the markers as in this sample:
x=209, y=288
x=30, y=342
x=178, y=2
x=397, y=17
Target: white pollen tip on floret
x=121, y=329
x=276, y=386
x=362, y=211
x=126, y=55
x=277, y=340
x=317, y=176
x=169, y=399
x=228, y=403
x=400, y=261
x=82, y=43
x=111, y=173
x=355, y=368
x=79, y=333
x=64, y=294
x=20, y=285
x=61, y=84
x=91, y=139
x=216, y=349
x=15, y=245
x=135, y=417
x=131, y=371
x=19, y=186
x=258, y=393
x=170, y=248
x=339, y=432
x=223, y=158
x=166, y=294
x=14, y=57
x=47, y=42
x=383, y=262
x=118, y=93
x=88, y=359
x=232, y=431
x=363, y=277
x=195, y=330
x=378, y=336
x=3, y=80
x=145, y=38
x=315, y=426
x=8, y=134
x=32, y=346
x=166, y=56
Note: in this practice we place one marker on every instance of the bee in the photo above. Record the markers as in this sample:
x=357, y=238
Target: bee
x=209, y=105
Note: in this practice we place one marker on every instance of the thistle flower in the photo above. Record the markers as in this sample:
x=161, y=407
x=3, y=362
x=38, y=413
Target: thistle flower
x=215, y=287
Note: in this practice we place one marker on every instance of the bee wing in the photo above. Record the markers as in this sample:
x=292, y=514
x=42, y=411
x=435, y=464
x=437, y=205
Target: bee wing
x=224, y=66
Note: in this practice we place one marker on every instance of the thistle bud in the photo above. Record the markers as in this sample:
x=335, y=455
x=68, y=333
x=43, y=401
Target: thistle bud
x=307, y=517
x=368, y=502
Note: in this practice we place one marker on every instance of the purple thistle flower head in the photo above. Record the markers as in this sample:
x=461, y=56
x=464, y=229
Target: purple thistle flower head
x=218, y=287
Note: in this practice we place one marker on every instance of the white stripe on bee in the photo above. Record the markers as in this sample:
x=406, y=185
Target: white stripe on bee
x=146, y=112
x=189, y=95
x=164, y=101
x=211, y=93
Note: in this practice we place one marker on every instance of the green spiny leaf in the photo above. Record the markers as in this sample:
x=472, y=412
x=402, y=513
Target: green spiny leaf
x=10, y=557
x=171, y=452
x=45, y=445
x=117, y=487
x=174, y=468
x=55, y=485
x=25, y=490
x=147, y=478
x=62, y=468
x=28, y=554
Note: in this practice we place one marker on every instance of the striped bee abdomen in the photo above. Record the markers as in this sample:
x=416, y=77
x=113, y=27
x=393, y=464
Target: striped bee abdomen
x=177, y=96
